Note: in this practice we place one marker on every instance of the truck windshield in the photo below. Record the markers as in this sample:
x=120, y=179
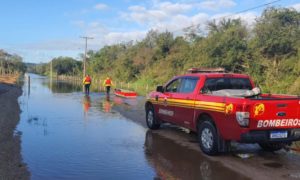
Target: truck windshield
x=215, y=84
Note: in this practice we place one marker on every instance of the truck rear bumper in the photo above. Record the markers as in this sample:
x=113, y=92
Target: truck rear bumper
x=264, y=136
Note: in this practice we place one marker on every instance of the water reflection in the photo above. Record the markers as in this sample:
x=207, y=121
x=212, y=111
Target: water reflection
x=86, y=103
x=118, y=100
x=173, y=161
x=62, y=87
x=39, y=123
x=106, y=106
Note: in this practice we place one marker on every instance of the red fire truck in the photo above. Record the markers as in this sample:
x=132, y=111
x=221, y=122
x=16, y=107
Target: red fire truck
x=223, y=107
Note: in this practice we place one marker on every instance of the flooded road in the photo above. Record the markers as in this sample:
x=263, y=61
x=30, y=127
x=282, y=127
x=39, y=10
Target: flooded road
x=66, y=135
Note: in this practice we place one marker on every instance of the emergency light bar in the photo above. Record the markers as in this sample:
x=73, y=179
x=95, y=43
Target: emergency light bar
x=206, y=70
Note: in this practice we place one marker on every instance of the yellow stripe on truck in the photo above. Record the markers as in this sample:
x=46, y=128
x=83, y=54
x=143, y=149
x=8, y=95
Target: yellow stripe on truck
x=203, y=105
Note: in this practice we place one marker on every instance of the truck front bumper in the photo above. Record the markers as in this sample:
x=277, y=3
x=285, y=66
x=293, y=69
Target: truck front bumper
x=264, y=136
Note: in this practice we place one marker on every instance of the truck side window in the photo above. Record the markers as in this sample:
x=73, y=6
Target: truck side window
x=238, y=83
x=174, y=86
x=188, y=84
x=210, y=85
x=215, y=84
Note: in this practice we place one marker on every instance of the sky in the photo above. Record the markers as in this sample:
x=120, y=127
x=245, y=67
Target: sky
x=39, y=30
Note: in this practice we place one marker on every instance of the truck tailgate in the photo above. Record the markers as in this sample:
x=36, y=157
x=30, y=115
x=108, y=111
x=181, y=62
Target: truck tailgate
x=275, y=113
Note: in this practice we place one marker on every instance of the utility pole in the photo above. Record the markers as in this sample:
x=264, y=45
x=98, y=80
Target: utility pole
x=84, y=60
x=51, y=73
x=51, y=69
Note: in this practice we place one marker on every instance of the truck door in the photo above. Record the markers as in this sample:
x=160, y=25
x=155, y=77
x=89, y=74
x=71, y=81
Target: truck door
x=211, y=104
x=185, y=98
x=166, y=109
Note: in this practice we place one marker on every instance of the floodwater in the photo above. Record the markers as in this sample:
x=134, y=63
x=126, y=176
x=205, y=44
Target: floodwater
x=67, y=135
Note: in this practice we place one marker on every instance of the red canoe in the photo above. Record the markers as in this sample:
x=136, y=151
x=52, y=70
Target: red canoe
x=125, y=93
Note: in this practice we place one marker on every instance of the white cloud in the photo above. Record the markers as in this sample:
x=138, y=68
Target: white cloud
x=175, y=8
x=100, y=6
x=103, y=36
x=179, y=22
x=247, y=17
x=220, y=16
x=226, y=3
x=158, y=12
x=164, y=16
x=216, y=4
x=119, y=37
x=296, y=6
x=137, y=8
x=146, y=17
x=199, y=18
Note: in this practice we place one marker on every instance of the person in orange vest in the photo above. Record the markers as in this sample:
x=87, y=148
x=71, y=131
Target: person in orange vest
x=87, y=81
x=107, y=83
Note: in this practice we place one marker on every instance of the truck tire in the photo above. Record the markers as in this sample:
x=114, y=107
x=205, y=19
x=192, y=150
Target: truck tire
x=208, y=138
x=151, y=119
x=272, y=146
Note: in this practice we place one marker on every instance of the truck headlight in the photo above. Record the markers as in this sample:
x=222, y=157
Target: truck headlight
x=242, y=118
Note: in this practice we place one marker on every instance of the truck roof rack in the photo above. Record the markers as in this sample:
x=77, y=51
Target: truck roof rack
x=206, y=70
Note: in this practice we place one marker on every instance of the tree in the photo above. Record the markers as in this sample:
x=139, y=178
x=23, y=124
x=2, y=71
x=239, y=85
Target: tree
x=277, y=32
x=66, y=66
x=227, y=44
x=11, y=63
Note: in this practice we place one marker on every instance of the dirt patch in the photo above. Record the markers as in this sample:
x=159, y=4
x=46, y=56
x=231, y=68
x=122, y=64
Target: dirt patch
x=9, y=78
x=11, y=165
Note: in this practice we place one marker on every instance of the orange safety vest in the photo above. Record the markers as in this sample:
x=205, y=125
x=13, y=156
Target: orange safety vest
x=107, y=82
x=87, y=80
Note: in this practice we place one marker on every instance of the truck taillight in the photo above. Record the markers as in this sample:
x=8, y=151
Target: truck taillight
x=242, y=118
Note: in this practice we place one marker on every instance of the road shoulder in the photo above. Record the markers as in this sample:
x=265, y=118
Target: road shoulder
x=11, y=165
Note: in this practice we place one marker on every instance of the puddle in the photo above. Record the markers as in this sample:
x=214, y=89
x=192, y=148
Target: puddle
x=273, y=165
x=295, y=175
x=173, y=161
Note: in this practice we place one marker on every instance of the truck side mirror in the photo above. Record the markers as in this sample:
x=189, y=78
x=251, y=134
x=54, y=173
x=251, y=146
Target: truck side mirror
x=160, y=89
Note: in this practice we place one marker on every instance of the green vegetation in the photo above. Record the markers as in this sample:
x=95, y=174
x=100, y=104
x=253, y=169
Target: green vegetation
x=269, y=51
x=60, y=66
x=11, y=63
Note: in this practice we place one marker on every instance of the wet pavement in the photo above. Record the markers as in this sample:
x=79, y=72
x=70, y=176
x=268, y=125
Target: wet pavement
x=67, y=135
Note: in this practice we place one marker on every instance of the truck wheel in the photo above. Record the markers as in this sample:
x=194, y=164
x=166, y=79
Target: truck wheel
x=151, y=120
x=272, y=146
x=208, y=138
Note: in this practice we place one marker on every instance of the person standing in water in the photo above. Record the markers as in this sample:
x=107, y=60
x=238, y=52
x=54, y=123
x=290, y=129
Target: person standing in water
x=107, y=83
x=87, y=81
